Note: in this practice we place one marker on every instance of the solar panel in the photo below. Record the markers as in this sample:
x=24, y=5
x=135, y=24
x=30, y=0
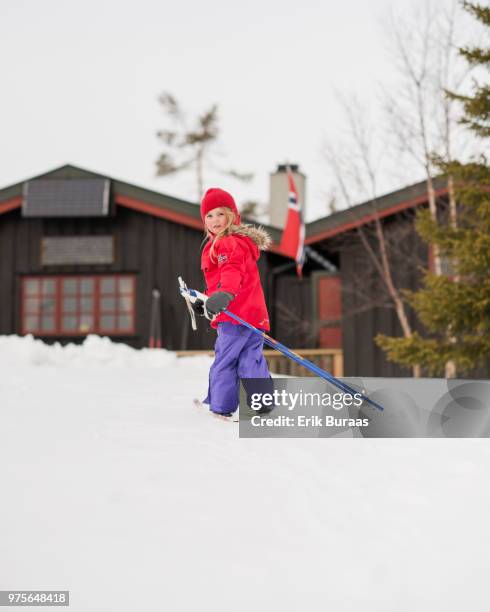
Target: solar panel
x=66, y=198
x=63, y=250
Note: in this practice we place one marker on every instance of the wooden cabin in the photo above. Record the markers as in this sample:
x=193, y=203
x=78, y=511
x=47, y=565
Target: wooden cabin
x=83, y=253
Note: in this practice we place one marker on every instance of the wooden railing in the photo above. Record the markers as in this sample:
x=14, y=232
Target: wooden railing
x=327, y=359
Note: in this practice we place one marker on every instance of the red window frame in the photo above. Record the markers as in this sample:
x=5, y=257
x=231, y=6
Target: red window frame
x=56, y=301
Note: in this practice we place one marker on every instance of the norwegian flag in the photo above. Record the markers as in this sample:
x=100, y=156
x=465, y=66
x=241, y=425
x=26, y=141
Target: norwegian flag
x=293, y=237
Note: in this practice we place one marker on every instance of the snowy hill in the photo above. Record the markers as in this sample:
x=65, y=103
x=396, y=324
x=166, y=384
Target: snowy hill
x=117, y=488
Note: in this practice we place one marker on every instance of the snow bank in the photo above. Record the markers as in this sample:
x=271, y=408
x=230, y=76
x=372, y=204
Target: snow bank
x=117, y=488
x=94, y=351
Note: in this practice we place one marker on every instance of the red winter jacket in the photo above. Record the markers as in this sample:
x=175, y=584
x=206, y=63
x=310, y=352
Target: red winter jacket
x=234, y=269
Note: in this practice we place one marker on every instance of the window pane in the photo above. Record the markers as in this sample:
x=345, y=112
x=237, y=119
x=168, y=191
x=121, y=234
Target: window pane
x=86, y=323
x=108, y=284
x=125, y=285
x=32, y=305
x=47, y=323
x=70, y=304
x=125, y=303
x=47, y=305
x=447, y=267
x=87, y=304
x=107, y=322
x=124, y=322
x=30, y=324
x=70, y=285
x=86, y=286
x=108, y=304
x=69, y=323
x=48, y=286
x=31, y=286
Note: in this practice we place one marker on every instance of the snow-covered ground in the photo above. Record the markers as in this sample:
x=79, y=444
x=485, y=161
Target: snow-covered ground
x=115, y=487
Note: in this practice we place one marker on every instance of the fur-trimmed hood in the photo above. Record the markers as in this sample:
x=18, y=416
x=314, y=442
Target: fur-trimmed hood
x=258, y=235
x=255, y=238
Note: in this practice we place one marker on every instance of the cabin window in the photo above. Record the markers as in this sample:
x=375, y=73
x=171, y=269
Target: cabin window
x=78, y=305
x=447, y=268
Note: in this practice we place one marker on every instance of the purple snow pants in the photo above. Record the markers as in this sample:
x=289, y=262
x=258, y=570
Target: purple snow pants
x=238, y=354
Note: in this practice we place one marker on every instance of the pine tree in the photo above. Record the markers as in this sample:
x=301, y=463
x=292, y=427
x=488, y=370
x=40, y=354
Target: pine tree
x=477, y=107
x=455, y=308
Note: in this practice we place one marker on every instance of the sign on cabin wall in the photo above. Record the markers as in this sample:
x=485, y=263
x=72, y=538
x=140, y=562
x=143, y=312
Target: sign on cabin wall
x=65, y=250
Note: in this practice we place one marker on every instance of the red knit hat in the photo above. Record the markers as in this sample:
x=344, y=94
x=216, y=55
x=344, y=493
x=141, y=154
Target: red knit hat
x=216, y=198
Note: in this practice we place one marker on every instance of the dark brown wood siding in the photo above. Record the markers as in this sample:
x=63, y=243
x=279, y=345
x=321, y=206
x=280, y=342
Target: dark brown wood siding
x=366, y=307
x=8, y=248
x=157, y=251
x=292, y=312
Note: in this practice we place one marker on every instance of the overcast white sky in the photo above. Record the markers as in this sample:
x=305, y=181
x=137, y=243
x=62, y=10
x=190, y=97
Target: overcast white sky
x=80, y=82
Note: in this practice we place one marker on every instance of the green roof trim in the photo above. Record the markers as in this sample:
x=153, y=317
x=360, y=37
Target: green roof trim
x=365, y=209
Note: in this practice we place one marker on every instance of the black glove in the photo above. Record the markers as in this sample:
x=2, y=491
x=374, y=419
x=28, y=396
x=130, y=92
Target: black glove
x=198, y=307
x=218, y=302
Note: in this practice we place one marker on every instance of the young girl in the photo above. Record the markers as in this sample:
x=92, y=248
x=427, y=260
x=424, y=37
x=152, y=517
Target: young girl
x=229, y=263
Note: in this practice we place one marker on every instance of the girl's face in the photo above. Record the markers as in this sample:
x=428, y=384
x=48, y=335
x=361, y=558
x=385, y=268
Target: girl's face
x=216, y=220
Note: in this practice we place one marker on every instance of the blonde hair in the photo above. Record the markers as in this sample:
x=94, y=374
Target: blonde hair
x=226, y=231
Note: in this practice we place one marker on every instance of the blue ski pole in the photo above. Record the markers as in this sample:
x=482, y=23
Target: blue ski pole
x=192, y=293
x=302, y=361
